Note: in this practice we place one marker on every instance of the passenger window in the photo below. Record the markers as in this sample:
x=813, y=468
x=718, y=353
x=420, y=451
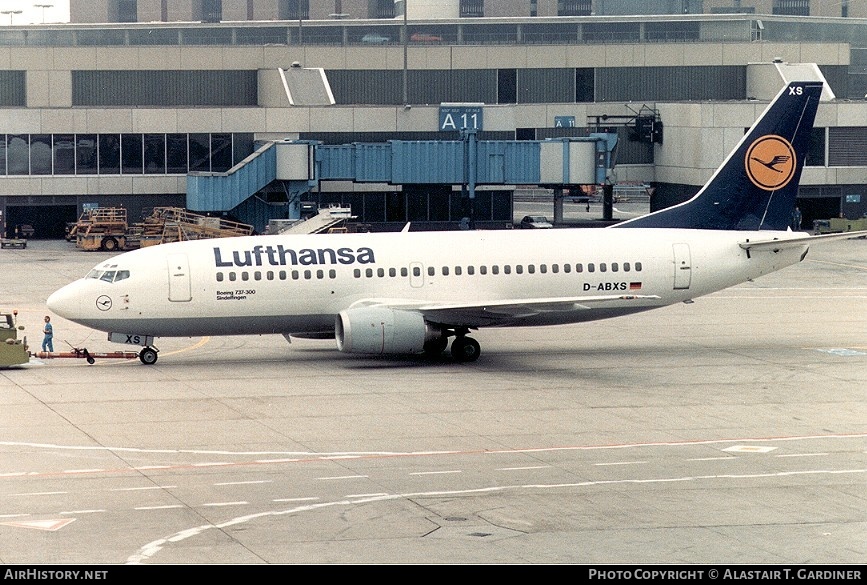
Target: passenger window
x=471, y=270
x=638, y=266
x=219, y=277
x=404, y=272
x=531, y=268
x=567, y=268
x=543, y=268
x=257, y=275
x=579, y=267
x=270, y=275
x=380, y=272
x=282, y=275
x=495, y=269
x=245, y=276
x=232, y=277
x=457, y=270
x=555, y=268
x=295, y=275
x=603, y=267
x=356, y=273
x=430, y=271
x=320, y=274
x=392, y=272
x=368, y=272
x=332, y=273
x=483, y=269
x=626, y=267
x=308, y=275
x=445, y=270
x=614, y=267
x=591, y=267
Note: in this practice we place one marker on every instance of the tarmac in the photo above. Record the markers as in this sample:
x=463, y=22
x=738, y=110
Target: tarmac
x=726, y=431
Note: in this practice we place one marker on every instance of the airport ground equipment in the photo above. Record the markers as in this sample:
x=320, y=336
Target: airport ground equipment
x=108, y=229
x=101, y=228
x=83, y=353
x=180, y=225
x=330, y=219
x=14, y=350
x=13, y=343
x=20, y=243
x=837, y=225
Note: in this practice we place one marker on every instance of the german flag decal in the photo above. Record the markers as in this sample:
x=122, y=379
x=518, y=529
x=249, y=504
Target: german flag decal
x=770, y=162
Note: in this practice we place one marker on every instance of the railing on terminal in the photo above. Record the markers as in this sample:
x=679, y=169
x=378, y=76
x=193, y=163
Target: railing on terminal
x=566, y=30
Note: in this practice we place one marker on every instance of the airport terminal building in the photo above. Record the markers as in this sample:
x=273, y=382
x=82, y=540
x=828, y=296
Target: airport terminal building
x=124, y=104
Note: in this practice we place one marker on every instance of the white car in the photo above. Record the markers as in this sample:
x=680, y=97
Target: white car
x=535, y=222
x=375, y=39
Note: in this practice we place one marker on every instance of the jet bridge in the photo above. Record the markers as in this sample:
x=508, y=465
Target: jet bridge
x=299, y=166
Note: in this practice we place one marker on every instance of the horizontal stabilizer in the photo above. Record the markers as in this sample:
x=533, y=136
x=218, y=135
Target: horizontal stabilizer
x=780, y=244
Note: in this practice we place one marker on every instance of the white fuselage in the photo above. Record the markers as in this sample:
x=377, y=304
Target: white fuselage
x=297, y=284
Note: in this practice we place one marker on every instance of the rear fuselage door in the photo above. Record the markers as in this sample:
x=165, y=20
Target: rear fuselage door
x=682, y=266
x=180, y=289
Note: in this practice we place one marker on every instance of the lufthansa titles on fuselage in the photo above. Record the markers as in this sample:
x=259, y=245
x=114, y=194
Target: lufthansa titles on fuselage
x=282, y=256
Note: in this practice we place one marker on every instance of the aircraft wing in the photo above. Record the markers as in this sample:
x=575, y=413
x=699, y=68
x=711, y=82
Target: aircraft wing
x=798, y=241
x=492, y=313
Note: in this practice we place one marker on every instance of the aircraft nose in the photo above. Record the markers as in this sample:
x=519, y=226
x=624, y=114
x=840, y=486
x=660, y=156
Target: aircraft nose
x=65, y=302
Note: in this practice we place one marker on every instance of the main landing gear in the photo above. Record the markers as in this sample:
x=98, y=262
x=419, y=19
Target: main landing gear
x=148, y=355
x=464, y=349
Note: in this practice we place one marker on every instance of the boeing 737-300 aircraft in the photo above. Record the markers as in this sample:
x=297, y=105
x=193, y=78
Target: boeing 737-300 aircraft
x=410, y=292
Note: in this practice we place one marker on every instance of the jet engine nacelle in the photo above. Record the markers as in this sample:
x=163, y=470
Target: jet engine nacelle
x=377, y=330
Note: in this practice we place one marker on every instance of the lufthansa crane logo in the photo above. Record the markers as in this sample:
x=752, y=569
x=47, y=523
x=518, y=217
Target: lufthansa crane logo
x=770, y=162
x=103, y=303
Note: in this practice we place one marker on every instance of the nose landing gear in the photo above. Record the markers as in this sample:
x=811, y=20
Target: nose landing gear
x=148, y=355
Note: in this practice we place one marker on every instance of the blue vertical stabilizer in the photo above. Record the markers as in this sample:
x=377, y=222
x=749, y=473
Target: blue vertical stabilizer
x=756, y=186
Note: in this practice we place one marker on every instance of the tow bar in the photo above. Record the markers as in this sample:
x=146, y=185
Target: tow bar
x=87, y=355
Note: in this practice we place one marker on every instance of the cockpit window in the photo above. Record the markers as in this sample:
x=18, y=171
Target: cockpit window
x=108, y=275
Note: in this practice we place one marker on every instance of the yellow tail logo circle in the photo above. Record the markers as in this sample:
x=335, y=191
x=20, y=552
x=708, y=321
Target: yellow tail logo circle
x=770, y=162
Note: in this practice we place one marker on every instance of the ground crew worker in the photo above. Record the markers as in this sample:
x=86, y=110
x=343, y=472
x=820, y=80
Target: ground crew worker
x=48, y=340
x=796, y=219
